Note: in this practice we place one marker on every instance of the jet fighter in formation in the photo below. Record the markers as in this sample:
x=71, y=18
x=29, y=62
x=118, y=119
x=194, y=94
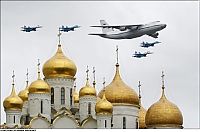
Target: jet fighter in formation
x=29, y=29
x=147, y=44
x=129, y=31
x=139, y=55
x=67, y=29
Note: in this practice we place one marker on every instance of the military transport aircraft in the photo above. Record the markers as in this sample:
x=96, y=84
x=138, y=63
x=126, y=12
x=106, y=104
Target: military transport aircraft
x=147, y=44
x=139, y=55
x=129, y=31
x=67, y=29
x=29, y=29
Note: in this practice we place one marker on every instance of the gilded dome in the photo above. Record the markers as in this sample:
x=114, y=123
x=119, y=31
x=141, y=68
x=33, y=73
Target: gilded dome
x=142, y=114
x=103, y=106
x=164, y=113
x=117, y=92
x=24, y=94
x=59, y=66
x=87, y=90
x=13, y=102
x=76, y=97
x=39, y=86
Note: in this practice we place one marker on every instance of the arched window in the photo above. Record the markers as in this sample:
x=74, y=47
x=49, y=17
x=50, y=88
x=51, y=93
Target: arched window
x=52, y=95
x=62, y=96
x=71, y=96
x=124, y=122
x=137, y=124
x=105, y=123
x=14, y=119
x=41, y=106
x=89, y=108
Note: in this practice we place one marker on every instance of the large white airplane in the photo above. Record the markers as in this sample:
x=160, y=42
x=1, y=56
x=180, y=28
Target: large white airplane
x=129, y=31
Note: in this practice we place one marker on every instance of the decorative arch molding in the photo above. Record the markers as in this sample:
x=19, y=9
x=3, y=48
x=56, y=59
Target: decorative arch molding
x=89, y=123
x=65, y=121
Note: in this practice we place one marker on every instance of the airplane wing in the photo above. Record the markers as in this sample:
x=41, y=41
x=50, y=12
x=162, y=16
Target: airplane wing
x=120, y=26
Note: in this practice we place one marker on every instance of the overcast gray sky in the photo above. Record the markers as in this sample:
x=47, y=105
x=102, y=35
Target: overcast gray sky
x=177, y=55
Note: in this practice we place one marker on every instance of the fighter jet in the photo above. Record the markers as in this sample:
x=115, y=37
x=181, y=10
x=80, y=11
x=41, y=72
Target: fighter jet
x=29, y=29
x=129, y=31
x=146, y=44
x=139, y=55
x=67, y=29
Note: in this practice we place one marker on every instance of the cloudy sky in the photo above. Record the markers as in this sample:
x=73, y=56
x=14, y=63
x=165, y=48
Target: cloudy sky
x=177, y=55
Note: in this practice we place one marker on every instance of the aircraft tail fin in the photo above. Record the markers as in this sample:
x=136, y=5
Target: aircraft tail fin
x=105, y=29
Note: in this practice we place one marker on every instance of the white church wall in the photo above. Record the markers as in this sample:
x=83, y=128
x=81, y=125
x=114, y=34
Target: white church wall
x=13, y=117
x=129, y=112
x=101, y=119
x=83, y=106
x=57, y=84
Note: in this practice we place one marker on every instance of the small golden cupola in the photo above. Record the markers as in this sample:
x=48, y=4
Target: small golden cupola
x=87, y=89
x=117, y=92
x=39, y=86
x=59, y=65
x=164, y=114
x=103, y=106
x=142, y=112
x=75, y=95
x=13, y=102
x=24, y=93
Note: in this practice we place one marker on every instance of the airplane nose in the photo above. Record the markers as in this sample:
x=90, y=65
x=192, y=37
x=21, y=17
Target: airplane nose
x=164, y=25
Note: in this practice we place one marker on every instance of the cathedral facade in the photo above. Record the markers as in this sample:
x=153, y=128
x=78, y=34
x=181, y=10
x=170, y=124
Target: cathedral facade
x=54, y=102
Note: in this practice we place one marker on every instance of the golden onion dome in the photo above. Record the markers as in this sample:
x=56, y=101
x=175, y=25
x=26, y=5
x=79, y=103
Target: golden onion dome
x=76, y=97
x=59, y=66
x=164, y=113
x=142, y=114
x=24, y=94
x=87, y=90
x=39, y=86
x=13, y=102
x=103, y=106
x=117, y=92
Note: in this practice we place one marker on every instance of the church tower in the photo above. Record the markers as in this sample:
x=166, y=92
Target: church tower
x=59, y=72
x=125, y=102
x=87, y=100
x=24, y=96
x=13, y=108
x=104, y=111
x=39, y=98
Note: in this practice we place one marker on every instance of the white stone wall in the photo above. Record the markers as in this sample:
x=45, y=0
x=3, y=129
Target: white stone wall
x=129, y=112
x=10, y=117
x=101, y=121
x=25, y=108
x=57, y=84
x=83, y=106
x=34, y=105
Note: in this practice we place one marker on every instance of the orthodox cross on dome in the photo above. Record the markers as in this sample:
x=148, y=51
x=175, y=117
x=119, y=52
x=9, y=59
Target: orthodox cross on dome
x=94, y=83
x=163, y=86
x=117, y=54
x=139, y=90
x=27, y=77
x=38, y=68
x=59, y=34
x=13, y=77
x=87, y=73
